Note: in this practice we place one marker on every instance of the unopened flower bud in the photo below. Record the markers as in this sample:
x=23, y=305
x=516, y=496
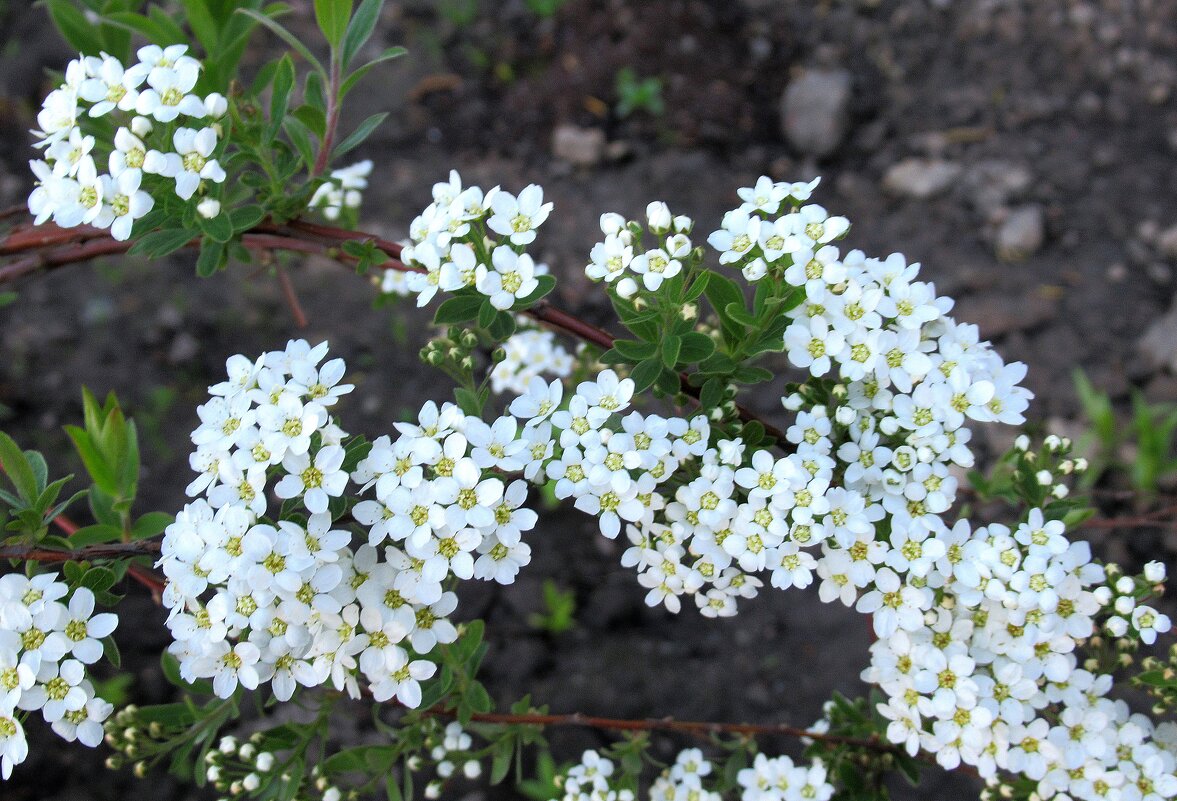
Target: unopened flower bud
x=265, y=761
x=332, y=794
x=141, y=127
x=208, y=208
x=627, y=287
x=216, y=105
x=1154, y=572
x=468, y=339
x=1125, y=604
x=1059, y=491
x=658, y=216
x=1044, y=478
x=445, y=769
x=683, y=224
x=611, y=222
x=140, y=770
x=433, y=790
x=472, y=769
x=498, y=355
x=1125, y=585
x=1052, y=442
x=845, y=416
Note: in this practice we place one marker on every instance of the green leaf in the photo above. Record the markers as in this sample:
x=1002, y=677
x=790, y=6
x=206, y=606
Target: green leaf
x=501, y=327
x=468, y=401
x=696, y=347
x=478, y=698
x=545, y=284
x=158, y=28
x=246, y=217
x=333, y=16
x=212, y=258
x=645, y=374
x=218, y=229
x=671, y=346
x=313, y=118
x=98, y=579
x=362, y=131
x=150, y=524
x=350, y=82
x=285, y=35
x=752, y=375
x=712, y=393
x=738, y=313
x=363, y=22
x=95, y=535
x=504, y=752
x=73, y=26
x=160, y=243
x=280, y=95
x=20, y=472
x=486, y=314
x=110, y=650
x=300, y=137
x=459, y=309
x=202, y=24
x=633, y=350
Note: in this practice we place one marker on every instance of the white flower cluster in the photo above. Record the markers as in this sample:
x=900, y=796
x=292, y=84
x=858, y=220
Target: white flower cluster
x=452, y=246
x=768, y=779
x=779, y=779
x=610, y=259
x=683, y=781
x=1145, y=621
x=530, y=352
x=588, y=780
x=988, y=675
x=45, y=645
x=71, y=190
x=236, y=768
x=256, y=599
x=343, y=189
x=449, y=747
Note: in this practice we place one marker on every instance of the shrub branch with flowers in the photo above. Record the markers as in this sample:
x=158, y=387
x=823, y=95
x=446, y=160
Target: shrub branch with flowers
x=318, y=564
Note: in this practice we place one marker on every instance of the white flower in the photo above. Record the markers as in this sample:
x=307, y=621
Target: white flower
x=123, y=203
x=316, y=481
x=402, y=679
x=167, y=95
x=512, y=278
x=539, y=402
x=191, y=163
x=84, y=629
x=13, y=745
x=609, y=259
x=110, y=88
x=655, y=266
x=517, y=218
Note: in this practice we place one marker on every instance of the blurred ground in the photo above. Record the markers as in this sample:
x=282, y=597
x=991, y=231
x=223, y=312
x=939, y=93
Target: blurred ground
x=1024, y=152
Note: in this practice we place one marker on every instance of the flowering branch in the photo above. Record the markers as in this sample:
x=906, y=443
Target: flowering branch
x=51, y=247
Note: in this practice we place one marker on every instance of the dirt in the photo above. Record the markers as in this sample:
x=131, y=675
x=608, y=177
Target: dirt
x=1064, y=107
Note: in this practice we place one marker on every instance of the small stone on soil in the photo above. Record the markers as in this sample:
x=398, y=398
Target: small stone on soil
x=581, y=147
x=920, y=178
x=815, y=111
x=1021, y=234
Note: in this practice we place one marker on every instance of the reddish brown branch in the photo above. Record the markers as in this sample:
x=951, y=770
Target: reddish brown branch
x=299, y=236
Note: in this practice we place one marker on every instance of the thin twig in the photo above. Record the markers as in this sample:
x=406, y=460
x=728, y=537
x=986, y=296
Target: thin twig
x=300, y=318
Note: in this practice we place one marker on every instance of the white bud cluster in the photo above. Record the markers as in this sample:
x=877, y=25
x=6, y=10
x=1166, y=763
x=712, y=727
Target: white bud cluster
x=343, y=189
x=45, y=645
x=71, y=190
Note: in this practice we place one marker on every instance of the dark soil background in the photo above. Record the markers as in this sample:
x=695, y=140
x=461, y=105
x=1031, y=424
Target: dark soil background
x=1024, y=152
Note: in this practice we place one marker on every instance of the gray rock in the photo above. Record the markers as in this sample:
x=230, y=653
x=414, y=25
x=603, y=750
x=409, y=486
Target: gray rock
x=581, y=147
x=1158, y=346
x=1166, y=242
x=815, y=111
x=995, y=183
x=920, y=178
x=1021, y=234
